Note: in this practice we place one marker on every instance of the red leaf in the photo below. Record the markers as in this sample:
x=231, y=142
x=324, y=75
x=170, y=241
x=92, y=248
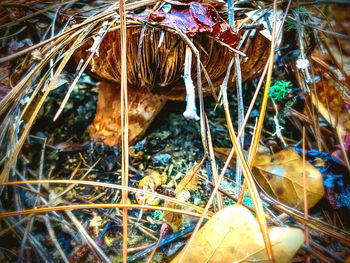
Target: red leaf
x=196, y=18
x=330, y=196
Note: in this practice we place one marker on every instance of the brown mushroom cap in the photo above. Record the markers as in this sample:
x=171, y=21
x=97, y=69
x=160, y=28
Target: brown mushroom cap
x=159, y=67
x=155, y=66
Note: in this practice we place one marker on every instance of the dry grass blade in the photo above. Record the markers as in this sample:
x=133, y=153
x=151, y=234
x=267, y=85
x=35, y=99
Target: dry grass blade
x=102, y=16
x=255, y=143
x=253, y=192
x=54, y=239
x=306, y=214
x=109, y=18
x=14, y=154
x=96, y=206
x=124, y=124
x=99, y=254
x=334, y=232
x=247, y=174
x=12, y=227
x=71, y=186
x=35, y=69
x=108, y=185
x=162, y=231
x=35, y=14
x=268, y=69
x=238, y=74
x=213, y=165
x=32, y=241
x=75, y=81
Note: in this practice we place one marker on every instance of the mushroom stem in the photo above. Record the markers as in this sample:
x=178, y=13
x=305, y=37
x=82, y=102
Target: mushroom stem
x=143, y=106
x=191, y=110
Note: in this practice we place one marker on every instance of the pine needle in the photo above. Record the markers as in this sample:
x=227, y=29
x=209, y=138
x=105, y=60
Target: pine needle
x=108, y=185
x=42, y=210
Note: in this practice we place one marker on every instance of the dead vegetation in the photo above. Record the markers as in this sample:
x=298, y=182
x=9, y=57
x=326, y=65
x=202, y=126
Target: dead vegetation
x=235, y=180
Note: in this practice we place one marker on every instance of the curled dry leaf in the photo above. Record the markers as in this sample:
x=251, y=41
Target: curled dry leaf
x=281, y=176
x=233, y=235
x=189, y=182
x=330, y=101
x=174, y=220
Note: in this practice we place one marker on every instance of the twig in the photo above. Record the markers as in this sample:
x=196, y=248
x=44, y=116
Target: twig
x=14, y=154
x=278, y=131
x=240, y=103
x=54, y=239
x=101, y=256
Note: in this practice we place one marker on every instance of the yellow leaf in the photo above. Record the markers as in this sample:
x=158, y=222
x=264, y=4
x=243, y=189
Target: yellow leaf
x=153, y=179
x=233, y=235
x=153, y=201
x=108, y=240
x=281, y=176
x=174, y=220
x=150, y=183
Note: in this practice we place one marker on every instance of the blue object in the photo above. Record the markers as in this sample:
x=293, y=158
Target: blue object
x=333, y=178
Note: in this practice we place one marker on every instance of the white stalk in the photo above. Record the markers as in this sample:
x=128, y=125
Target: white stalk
x=191, y=110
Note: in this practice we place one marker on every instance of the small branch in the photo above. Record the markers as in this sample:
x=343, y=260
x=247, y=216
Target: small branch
x=278, y=132
x=54, y=239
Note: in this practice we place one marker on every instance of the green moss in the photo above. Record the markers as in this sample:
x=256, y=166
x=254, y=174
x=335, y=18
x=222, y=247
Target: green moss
x=158, y=215
x=290, y=24
x=279, y=90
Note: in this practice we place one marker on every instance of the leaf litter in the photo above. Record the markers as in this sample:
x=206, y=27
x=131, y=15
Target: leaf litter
x=167, y=162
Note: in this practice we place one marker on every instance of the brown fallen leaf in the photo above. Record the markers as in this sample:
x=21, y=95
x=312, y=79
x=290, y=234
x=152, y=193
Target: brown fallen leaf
x=188, y=183
x=233, y=235
x=281, y=176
